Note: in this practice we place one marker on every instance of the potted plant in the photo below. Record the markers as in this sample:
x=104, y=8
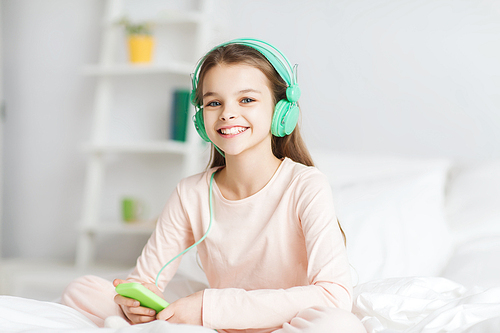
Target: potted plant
x=139, y=39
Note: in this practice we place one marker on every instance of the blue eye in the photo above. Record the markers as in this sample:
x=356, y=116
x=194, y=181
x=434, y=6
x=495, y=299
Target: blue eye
x=247, y=100
x=213, y=104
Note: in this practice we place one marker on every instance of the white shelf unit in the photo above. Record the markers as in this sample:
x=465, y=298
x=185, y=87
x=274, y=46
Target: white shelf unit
x=128, y=69
x=106, y=72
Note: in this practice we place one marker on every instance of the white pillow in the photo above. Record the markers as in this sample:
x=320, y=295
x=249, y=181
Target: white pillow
x=473, y=200
x=396, y=229
x=344, y=169
x=475, y=263
x=392, y=213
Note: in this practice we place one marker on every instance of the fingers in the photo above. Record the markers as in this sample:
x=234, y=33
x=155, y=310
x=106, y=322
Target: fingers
x=142, y=311
x=138, y=319
x=118, y=281
x=134, y=306
x=125, y=301
x=140, y=314
x=133, y=311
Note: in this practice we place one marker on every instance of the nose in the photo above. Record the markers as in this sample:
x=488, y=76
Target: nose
x=228, y=114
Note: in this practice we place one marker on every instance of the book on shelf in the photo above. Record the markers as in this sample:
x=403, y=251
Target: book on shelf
x=180, y=114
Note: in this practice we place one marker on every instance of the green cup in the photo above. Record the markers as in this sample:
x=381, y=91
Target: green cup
x=132, y=209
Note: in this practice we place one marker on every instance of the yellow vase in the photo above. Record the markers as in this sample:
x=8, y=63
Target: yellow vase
x=140, y=48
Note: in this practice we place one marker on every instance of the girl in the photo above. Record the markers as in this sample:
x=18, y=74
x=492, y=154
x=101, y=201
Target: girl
x=274, y=256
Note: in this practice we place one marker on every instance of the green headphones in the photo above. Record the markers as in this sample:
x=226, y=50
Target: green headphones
x=286, y=111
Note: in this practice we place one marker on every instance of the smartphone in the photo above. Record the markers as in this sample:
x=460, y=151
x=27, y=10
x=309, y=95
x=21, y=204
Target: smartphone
x=145, y=296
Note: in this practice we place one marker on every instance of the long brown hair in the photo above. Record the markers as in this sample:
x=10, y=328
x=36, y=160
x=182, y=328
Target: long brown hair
x=292, y=145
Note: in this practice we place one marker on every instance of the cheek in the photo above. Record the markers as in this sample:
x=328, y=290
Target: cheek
x=208, y=120
x=271, y=115
x=265, y=123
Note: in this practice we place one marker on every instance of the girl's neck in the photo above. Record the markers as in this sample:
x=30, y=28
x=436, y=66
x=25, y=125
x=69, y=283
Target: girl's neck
x=244, y=176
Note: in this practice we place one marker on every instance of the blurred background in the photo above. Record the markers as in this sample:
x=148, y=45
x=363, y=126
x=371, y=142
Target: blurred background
x=418, y=78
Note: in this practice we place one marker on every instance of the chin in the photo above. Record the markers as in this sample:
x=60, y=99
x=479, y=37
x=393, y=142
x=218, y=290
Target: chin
x=231, y=152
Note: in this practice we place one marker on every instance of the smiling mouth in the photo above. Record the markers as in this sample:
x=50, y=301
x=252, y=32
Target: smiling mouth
x=232, y=130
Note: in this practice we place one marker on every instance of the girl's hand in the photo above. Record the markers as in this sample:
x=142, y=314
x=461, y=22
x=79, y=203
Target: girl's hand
x=186, y=310
x=131, y=308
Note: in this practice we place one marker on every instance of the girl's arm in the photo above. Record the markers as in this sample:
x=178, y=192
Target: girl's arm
x=160, y=248
x=172, y=235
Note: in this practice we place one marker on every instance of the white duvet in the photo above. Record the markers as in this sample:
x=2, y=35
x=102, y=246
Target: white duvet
x=28, y=315
x=426, y=304
x=419, y=304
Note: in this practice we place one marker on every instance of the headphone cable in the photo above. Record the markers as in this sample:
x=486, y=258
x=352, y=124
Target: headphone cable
x=204, y=236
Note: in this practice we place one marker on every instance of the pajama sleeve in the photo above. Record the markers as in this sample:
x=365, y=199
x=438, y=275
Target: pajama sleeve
x=172, y=235
x=328, y=272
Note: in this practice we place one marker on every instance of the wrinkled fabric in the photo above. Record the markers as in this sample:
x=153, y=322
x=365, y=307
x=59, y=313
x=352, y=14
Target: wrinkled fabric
x=323, y=320
x=424, y=304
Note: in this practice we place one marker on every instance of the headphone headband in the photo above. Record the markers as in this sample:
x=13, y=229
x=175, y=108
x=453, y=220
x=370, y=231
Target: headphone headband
x=277, y=59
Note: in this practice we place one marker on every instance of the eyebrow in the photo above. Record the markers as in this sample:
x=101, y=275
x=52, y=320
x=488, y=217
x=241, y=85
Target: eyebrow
x=249, y=90
x=244, y=91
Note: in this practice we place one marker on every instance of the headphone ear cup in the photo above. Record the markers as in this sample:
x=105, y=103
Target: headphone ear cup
x=199, y=124
x=292, y=118
x=285, y=118
x=277, y=117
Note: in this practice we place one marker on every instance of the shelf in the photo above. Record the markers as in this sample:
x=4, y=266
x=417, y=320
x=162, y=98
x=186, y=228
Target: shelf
x=133, y=228
x=173, y=17
x=172, y=147
x=169, y=17
x=138, y=69
x=186, y=33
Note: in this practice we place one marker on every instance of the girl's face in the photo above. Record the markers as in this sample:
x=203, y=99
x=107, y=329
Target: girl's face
x=238, y=108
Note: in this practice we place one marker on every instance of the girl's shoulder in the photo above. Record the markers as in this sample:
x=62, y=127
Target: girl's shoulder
x=308, y=184
x=196, y=182
x=304, y=175
x=299, y=170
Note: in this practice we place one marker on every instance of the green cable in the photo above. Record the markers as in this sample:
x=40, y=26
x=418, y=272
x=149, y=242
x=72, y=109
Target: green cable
x=202, y=238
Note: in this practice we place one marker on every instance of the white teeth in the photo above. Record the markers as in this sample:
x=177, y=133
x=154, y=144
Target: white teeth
x=232, y=130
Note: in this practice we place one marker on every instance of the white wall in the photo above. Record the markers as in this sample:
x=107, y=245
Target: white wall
x=48, y=116
x=414, y=77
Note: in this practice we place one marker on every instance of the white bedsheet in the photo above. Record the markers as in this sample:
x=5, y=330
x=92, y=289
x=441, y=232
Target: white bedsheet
x=423, y=304
x=26, y=315
x=426, y=304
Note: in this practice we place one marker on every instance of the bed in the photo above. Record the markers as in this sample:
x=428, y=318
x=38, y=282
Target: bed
x=423, y=238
